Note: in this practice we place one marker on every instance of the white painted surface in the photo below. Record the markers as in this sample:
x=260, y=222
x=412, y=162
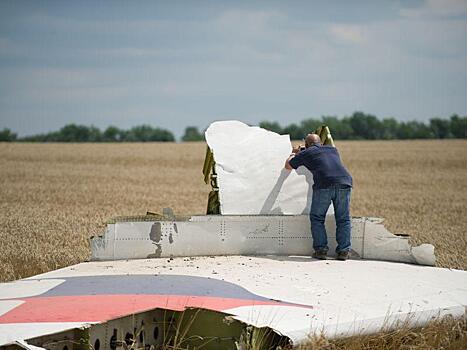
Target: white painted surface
x=250, y=171
x=424, y=254
x=249, y=235
x=7, y=305
x=23, y=288
x=346, y=296
x=11, y=332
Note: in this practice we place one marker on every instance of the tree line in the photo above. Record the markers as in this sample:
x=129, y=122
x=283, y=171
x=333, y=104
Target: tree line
x=358, y=126
x=82, y=133
x=361, y=126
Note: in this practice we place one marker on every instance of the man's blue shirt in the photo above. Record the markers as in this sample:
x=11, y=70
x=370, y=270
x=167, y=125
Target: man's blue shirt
x=325, y=165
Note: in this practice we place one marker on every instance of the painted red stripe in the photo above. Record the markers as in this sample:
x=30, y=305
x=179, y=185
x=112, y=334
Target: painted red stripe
x=99, y=308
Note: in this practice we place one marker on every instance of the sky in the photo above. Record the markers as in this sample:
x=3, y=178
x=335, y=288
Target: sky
x=174, y=64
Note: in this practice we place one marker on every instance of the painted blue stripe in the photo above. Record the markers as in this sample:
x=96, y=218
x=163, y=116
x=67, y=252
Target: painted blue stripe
x=151, y=284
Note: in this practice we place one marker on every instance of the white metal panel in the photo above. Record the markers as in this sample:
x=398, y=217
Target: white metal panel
x=24, y=289
x=7, y=305
x=247, y=235
x=346, y=297
x=9, y=333
x=250, y=171
x=132, y=237
x=380, y=244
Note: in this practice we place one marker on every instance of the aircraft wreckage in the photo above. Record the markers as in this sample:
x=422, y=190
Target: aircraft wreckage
x=240, y=277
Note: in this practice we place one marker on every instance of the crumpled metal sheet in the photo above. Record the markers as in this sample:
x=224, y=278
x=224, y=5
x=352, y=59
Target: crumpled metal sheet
x=250, y=171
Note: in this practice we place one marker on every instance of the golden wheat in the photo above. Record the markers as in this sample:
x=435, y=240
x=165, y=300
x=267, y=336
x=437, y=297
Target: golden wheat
x=444, y=333
x=54, y=196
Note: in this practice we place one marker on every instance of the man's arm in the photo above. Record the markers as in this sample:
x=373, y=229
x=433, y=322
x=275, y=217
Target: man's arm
x=287, y=164
x=295, y=150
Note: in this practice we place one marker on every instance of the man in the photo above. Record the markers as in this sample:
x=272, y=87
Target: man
x=332, y=183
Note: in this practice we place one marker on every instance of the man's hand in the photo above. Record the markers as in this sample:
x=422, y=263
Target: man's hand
x=297, y=149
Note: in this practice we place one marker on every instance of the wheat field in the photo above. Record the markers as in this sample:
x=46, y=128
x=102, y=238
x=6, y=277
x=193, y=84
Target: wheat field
x=54, y=196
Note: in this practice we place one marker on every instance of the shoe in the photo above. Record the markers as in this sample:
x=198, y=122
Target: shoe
x=320, y=255
x=344, y=255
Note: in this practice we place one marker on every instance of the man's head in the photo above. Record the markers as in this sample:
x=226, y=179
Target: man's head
x=312, y=139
